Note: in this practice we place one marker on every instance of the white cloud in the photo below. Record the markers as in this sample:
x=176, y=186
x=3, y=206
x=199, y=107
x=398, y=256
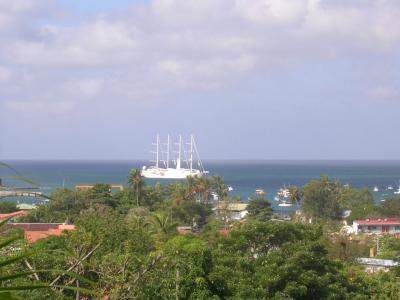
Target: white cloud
x=383, y=92
x=5, y=74
x=84, y=87
x=171, y=46
x=39, y=106
x=272, y=11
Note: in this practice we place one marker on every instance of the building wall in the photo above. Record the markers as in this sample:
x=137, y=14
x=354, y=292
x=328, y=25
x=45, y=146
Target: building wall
x=376, y=229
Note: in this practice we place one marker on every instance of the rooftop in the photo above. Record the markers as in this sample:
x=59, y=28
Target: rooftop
x=13, y=214
x=386, y=221
x=232, y=206
x=37, y=231
x=377, y=262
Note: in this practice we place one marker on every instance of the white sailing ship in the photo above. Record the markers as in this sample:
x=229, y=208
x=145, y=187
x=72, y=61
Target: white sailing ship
x=163, y=169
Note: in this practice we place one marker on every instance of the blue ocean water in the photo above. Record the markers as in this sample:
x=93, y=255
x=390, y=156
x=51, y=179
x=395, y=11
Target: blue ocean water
x=244, y=176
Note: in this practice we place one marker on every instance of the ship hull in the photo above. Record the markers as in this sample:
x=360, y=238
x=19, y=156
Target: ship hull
x=161, y=173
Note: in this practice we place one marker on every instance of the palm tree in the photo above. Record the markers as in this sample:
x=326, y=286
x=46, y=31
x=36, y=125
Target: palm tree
x=7, y=281
x=191, y=182
x=135, y=181
x=178, y=193
x=163, y=226
x=294, y=195
x=220, y=187
x=203, y=188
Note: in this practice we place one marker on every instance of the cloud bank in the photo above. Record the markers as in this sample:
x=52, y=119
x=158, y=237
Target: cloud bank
x=54, y=60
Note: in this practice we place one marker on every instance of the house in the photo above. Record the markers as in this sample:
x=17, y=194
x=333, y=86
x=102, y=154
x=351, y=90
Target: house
x=183, y=230
x=372, y=265
x=231, y=210
x=377, y=226
x=37, y=231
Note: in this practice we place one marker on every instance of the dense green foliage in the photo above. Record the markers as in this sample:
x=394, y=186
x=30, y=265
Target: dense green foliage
x=259, y=209
x=128, y=244
x=8, y=207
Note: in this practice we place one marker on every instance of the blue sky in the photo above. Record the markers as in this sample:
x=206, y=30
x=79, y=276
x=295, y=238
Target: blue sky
x=307, y=79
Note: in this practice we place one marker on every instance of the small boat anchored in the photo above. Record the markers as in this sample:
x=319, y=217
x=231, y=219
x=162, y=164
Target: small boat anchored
x=283, y=196
x=397, y=192
x=376, y=189
x=260, y=192
x=283, y=193
x=285, y=204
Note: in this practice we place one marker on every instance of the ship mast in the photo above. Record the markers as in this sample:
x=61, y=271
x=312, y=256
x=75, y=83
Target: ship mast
x=191, y=153
x=158, y=146
x=168, y=151
x=178, y=161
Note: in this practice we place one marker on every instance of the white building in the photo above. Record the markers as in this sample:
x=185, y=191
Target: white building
x=372, y=265
x=377, y=226
x=231, y=210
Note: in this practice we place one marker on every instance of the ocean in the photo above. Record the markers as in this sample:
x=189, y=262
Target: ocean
x=245, y=176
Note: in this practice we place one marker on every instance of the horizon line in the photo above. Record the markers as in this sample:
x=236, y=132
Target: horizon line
x=208, y=159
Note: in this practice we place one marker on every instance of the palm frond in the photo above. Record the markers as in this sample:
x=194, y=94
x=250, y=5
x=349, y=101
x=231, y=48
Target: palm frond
x=14, y=259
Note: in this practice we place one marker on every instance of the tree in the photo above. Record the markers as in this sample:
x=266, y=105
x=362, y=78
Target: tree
x=185, y=267
x=259, y=209
x=294, y=195
x=163, y=226
x=178, y=193
x=8, y=207
x=135, y=181
x=391, y=207
x=220, y=187
x=13, y=278
x=191, y=211
x=100, y=193
x=276, y=260
x=351, y=198
x=321, y=198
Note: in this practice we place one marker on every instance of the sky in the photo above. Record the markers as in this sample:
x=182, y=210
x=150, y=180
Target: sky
x=260, y=79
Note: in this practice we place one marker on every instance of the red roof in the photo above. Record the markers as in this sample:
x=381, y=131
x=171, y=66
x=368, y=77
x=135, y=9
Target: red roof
x=13, y=214
x=388, y=221
x=37, y=231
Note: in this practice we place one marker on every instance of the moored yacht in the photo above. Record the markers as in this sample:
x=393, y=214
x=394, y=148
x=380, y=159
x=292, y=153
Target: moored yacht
x=398, y=191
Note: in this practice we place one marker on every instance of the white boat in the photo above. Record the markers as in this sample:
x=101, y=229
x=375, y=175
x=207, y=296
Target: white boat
x=397, y=192
x=260, y=192
x=285, y=204
x=376, y=189
x=230, y=189
x=177, y=172
x=283, y=196
x=283, y=193
x=390, y=188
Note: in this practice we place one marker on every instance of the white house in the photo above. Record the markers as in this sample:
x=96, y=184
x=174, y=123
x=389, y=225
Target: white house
x=231, y=210
x=377, y=226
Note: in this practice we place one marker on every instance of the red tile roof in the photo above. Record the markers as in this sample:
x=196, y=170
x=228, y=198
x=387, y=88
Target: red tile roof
x=37, y=231
x=13, y=214
x=388, y=221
